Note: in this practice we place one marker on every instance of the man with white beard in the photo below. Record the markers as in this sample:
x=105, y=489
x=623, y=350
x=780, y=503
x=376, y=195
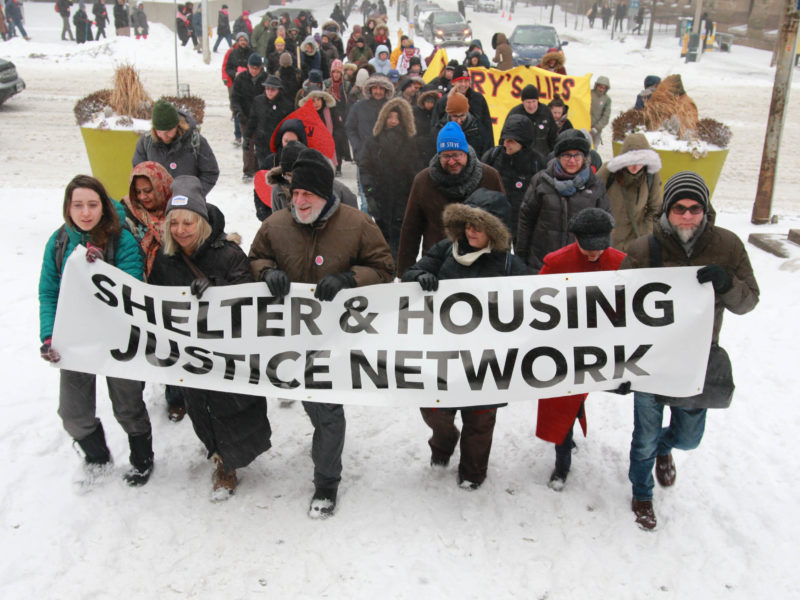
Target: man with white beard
x=317, y=239
x=684, y=235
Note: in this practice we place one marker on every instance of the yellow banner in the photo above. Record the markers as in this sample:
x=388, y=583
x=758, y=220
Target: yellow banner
x=503, y=90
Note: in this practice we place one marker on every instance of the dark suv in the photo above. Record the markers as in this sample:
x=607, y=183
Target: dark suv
x=10, y=82
x=529, y=43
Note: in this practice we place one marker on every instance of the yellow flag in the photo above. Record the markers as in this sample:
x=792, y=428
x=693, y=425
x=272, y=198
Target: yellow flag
x=438, y=63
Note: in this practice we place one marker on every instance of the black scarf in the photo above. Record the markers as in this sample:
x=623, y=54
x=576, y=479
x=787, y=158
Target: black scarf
x=457, y=187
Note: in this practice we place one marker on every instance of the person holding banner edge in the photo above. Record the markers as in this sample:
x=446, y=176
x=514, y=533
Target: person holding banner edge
x=684, y=235
x=198, y=253
x=478, y=244
x=93, y=219
x=317, y=239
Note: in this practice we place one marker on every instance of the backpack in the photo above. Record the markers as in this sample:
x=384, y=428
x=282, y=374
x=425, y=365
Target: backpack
x=62, y=241
x=148, y=142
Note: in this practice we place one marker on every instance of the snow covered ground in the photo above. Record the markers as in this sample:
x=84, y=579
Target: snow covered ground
x=726, y=530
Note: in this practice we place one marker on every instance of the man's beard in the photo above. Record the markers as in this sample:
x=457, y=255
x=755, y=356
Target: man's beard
x=312, y=216
x=685, y=234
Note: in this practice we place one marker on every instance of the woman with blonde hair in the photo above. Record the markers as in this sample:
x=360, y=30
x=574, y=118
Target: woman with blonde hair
x=199, y=254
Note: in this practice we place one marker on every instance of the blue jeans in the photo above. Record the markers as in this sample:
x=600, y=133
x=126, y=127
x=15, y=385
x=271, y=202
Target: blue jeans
x=227, y=38
x=685, y=431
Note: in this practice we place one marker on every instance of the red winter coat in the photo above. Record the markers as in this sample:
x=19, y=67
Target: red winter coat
x=556, y=415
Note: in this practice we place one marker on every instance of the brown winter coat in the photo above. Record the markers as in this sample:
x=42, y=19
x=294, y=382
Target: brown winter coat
x=348, y=240
x=502, y=52
x=423, y=218
x=715, y=246
x=635, y=199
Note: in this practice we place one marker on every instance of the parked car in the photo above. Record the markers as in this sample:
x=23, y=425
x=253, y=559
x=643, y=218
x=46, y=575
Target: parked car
x=447, y=27
x=491, y=6
x=10, y=82
x=529, y=43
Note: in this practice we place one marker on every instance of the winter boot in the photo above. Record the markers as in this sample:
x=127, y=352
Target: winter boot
x=94, y=447
x=224, y=481
x=665, y=470
x=470, y=486
x=558, y=480
x=141, y=459
x=323, y=503
x=645, y=516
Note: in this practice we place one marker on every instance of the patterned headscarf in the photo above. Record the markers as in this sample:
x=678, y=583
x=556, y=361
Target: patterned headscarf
x=151, y=223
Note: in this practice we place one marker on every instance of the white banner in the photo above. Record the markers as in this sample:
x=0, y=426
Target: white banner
x=474, y=341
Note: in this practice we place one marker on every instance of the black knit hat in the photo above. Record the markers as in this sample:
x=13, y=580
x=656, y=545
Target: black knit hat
x=460, y=72
x=312, y=172
x=685, y=185
x=592, y=228
x=572, y=139
x=289, y=154
x=530, y=92
x=187, y=194
x=254, y=60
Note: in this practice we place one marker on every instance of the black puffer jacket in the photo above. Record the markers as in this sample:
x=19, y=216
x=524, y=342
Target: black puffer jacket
x=545, y=130
x=188, y=154
x=235, y=426
x=245, y=90
x=544, y=214
x=516, y=169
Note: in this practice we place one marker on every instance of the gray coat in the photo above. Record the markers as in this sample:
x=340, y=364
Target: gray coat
x=188, y=154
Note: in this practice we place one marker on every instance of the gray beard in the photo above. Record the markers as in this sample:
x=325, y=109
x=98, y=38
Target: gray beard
x=685, y=234
x=311, y=217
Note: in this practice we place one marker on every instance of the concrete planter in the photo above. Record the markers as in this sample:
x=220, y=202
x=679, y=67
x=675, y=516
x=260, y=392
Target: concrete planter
x=110, y=152
x=708, y=166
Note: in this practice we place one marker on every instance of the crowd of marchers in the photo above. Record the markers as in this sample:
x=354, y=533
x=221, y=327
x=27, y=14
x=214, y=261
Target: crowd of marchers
x=435, y=199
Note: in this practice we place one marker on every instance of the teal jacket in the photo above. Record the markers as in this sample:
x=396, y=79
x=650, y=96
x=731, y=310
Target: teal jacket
x=127, y=258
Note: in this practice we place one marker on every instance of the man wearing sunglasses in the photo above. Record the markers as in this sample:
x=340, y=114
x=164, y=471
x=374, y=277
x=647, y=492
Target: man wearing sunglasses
x=686, y=235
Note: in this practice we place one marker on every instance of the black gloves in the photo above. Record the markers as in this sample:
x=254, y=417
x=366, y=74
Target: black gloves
x=199, y=286
x=624, y=389
x=277, y=281
x=428, y=282
x=330, y=285
x=93, y=253
x=718, y=277
x=48, y=353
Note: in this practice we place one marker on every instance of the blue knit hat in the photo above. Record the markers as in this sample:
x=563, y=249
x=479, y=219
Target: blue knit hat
x=451, y=138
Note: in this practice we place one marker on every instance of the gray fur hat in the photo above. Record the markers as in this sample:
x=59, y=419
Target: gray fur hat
x=592, y=228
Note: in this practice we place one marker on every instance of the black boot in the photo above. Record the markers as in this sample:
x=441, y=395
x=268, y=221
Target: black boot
x=323, y=503
x=141, y=459
x=94, y=447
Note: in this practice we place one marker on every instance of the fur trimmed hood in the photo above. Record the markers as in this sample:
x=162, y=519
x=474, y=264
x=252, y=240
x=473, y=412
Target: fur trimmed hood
x=403, y=109
x=433, y=94
x=329, y=100
x=488, y=209
x=331, y=26
x=379, y=80
x=554, y=55
x=635, y=151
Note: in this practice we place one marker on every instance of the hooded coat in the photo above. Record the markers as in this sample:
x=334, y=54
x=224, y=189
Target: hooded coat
x=431, y=191
x=557, y=58
x=364, y=113
x=635, y=199
x=381, y=66
x=600, y=109
x=188, y=154
x=426, y=137
x=544, y=214
x=235, y=426
x=517, y=169
x=262, y=33
x=316, y=60
x=502, y=52
x=387, y=169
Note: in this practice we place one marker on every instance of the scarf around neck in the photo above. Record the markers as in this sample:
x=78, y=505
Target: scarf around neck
x=456, y=187
x=566, y=184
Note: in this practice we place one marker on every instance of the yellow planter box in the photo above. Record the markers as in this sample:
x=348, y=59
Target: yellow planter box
x=708, y=166
x=110, y=152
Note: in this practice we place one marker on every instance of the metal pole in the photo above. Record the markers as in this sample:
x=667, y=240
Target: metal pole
x=206, y=40
x=698, y=11
x=652, y=24
x=786, y=44
x=175, y=37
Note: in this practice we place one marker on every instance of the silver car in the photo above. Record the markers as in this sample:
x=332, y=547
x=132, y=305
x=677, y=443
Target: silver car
x=447, y=27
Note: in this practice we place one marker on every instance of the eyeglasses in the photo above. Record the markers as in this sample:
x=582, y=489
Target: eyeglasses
x=459, y=117
x=682, y=209
x=473, y=226
x=571, y=155
x=455, y=157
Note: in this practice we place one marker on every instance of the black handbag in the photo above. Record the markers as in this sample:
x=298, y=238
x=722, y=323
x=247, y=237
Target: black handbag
x=717, y=388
